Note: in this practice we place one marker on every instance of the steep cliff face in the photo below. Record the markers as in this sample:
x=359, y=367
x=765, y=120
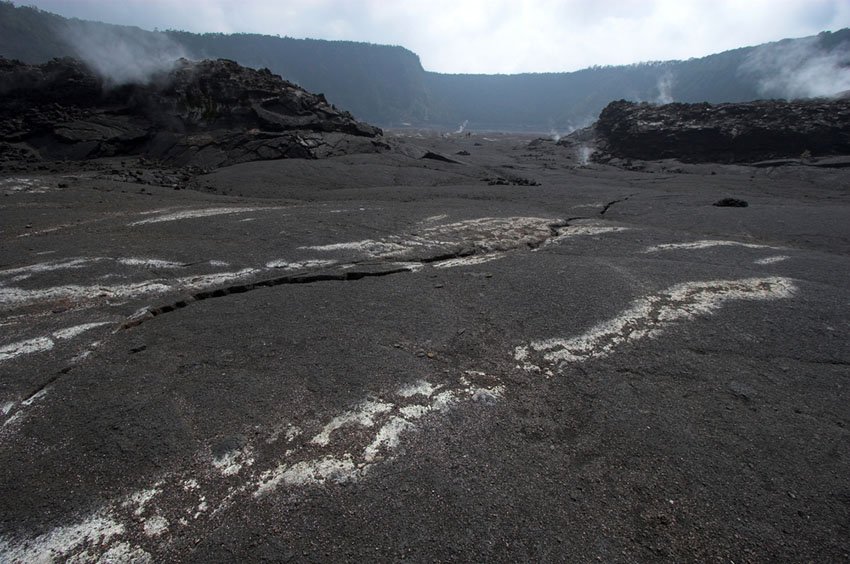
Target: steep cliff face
x=729, y=133
x=204, y=113
x=388, y=84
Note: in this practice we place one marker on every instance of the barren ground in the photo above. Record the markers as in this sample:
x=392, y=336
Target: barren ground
x=383, y=357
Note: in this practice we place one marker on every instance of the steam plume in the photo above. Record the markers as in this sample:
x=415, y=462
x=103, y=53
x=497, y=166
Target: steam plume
x=799, y=69
x=583, y=154
x=462, y=126
x=665, y=88
x=122, y=55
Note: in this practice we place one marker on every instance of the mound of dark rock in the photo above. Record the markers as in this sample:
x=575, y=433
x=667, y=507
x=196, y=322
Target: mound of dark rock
x=730, y=203
x=726, y=133
x=205, y=114
x=438, y=157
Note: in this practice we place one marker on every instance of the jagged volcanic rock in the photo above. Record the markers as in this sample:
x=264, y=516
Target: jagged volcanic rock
x=727, y=133
x=205, y=113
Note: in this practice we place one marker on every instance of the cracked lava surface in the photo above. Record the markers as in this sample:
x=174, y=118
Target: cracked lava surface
x=602, y=366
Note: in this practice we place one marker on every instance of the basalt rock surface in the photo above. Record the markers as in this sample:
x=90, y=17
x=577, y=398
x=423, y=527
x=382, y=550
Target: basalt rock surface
x=727, y=133
x=200, y=113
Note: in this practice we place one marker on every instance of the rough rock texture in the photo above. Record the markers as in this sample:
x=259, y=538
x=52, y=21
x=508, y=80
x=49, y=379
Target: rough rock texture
x=729, y=133
x=205, y=113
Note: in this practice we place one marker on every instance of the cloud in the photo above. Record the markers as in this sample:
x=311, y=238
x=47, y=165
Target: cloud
x=494, y=36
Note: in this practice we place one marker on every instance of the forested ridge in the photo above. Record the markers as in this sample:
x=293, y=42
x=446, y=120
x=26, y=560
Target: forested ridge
x=387, y=85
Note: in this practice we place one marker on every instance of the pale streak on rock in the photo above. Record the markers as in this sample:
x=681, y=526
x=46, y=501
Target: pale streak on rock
x=300, y=265
x=435, y=218
x=21, y=412
x=60, y=542
x=10, y=295
x=648, y=316
x=39, y=344
x=155, y=526
x=771, y=260
x=492, y=233
x=292, y=432
x=20, y=185
x=18, y=416
x=21, y=296
x=308, y=472
x=389, y=435
x=43, y=344
x=341, y=458
x=51, y=266
x=588, y=229
x=486, y=234
x=86, y=353
x=468, y=261
x=23, y=272
x=149, y=263
x=420, y=387
x=34, y=398
x=704, y=244
x=71, y=332
x=190, y=484
x=336, y=456
x=193, y=214
x=139, y=500
x=415, y=411
x=367, y=246
x=231, y=462
x=409, y=266
x=354, y=463
x=363, y=415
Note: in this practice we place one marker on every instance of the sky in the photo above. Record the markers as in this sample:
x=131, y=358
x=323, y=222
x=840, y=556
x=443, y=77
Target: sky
x=492, y=36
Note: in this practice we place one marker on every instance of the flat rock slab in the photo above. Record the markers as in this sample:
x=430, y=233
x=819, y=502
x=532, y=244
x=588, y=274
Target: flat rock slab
x=413, y=364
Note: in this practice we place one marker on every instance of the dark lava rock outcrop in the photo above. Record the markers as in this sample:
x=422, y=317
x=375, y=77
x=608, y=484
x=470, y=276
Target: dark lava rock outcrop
x=205, y=114
x=730, y=203
x=726, y=133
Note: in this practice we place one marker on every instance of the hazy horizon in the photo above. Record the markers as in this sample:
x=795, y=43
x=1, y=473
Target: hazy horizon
x=498, y=37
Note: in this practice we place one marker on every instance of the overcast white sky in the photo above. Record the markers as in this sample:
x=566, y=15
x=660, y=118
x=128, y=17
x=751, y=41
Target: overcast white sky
x=492, y=36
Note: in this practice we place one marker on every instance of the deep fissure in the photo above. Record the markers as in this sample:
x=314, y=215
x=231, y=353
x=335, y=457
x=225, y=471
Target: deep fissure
x=268, y=283
x=612, y=202
x=348, y=276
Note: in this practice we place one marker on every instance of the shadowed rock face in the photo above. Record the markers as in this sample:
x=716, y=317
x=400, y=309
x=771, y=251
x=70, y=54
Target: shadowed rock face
x=730, y=133
x=205, y=113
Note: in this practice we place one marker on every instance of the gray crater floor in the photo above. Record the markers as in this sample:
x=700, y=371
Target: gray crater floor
x=387, y=357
